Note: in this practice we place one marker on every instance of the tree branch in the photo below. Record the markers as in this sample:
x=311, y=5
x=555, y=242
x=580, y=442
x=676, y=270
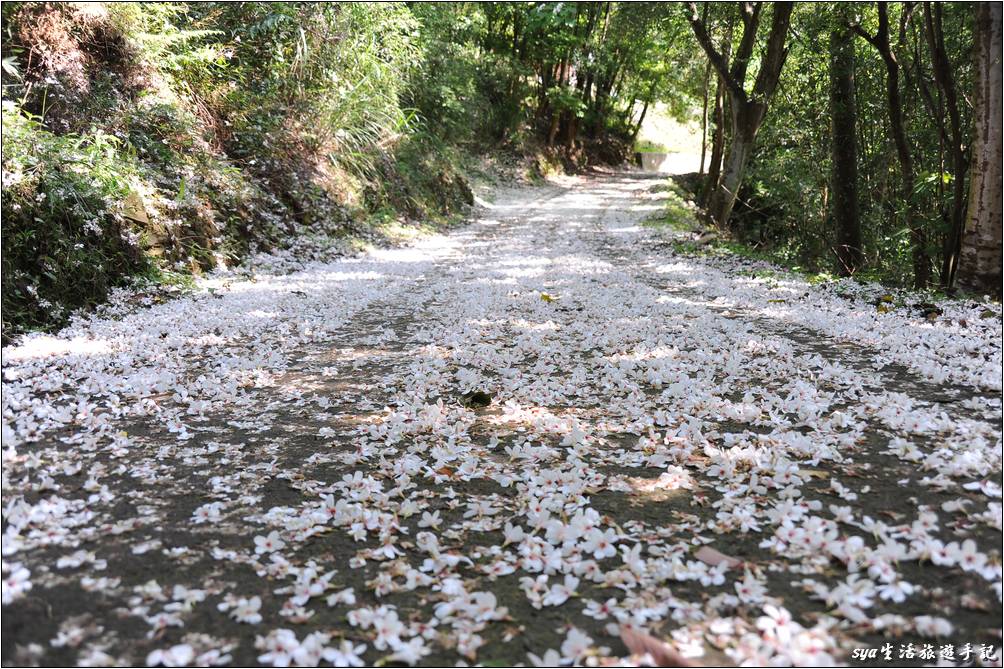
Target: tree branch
x=770, y=68
x=861, y=32
x=717, y=60
x=751, y=23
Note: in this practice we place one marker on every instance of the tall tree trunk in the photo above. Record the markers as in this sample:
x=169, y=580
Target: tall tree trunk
x=704, y=121
x=980, y=262
x=723, y=199
x=602, y=98
x=960, y=164
x=717, y=147
x=641, y=119
x=571, y=131
x=844, y=149
x=711, y=182
x=552, y=131
x=918, y=236
x=644, y=110
x=704, y=107
x=516, y=24
x=546, y=77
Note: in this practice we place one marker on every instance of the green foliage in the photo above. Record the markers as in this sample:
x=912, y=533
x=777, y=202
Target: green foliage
x=648, y=146
x=67, y=240
x=325, y=76
x=572, y=75
x=153, y=31
x=784, y=205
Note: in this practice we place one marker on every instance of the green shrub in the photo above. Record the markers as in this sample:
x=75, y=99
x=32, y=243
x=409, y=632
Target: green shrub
x=66, y=235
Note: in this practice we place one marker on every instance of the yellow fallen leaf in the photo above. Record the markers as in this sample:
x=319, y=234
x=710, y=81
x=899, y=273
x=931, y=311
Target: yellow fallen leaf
x=547, y=298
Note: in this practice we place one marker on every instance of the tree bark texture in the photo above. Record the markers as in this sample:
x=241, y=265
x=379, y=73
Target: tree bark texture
x=980, y=262
x=844, y=150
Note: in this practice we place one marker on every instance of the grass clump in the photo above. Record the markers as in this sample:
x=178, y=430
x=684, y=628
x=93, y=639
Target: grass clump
x=679, y=212
x=649, y=146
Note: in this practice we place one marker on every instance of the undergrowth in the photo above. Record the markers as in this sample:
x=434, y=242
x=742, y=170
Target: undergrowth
x=139, y=146
x=692, y=236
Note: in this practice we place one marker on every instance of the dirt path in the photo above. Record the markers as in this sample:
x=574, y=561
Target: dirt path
x=289, y=468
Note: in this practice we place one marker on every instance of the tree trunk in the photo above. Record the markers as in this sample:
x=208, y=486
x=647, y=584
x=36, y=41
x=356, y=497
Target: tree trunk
x=546, y=77
x=710, y=184
x=748, y=108
x=704, y=107
x=844, y=149
x=515, y=33
x=571, y=131
x=641, y=119
x=704, y=121
x=717, y=148
x=980, y=262
x=552, y=131
x=918, y=236
x=644, y=110
x=723, y=199
x=945, y=80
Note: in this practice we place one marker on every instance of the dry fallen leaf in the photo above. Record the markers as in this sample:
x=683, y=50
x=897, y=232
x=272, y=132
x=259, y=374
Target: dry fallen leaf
x=710, y=556
x=662, y=654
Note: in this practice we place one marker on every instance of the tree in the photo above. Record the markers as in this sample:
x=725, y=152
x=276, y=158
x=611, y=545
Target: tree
x=918, y=237
x=717, y=146
x=748, y=109
x=943, y=77
x=844, y=147
x=980, y=265
x=713, y=178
